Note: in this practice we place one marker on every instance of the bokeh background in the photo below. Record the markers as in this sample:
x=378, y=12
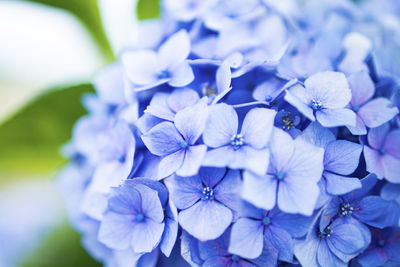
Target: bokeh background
x=49, y=52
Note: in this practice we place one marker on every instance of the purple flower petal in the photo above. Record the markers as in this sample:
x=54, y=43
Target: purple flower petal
x=359, y=128
x=281, y=147
x=190, y=121
x=282, y=241
x=171, y=230
x=391, y=168
x=206, y=219
x=373, y=161
x=185, y=191
x=211, y=176
x=257, y=127
x=146, y=236
x=141, y=66
x=297, y=97
x=306, y=251
x=151, y=206
x=336, y=117
x=221, y=126
x=362, y=88
x=346, y=238
x=174, y=50
x=392, y=143
x=194, y=156
x=331, y=88
x=181, y=75
x=378, y=111
x=339, y=185
x=163, y=139
x=116, y=230
x=317, y=135
x=247, y=238
x=342, y=157
x=259, y=190
x=181, y=98
x=376, y=136
x=125, y=200
x=171, y=163
x=227, y=191
x=375, y=211
x=159, y=107
x=327, y=258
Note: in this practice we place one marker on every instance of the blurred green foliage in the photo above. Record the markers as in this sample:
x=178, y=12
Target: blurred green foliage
x=148, y=9
x=88, y=13
x=62, y=249
x=30, y=140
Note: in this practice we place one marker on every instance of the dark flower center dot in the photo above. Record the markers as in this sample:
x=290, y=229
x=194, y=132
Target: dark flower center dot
x=382, y=151
x=235, y=258
x=346, y=209
x=183, y=144
x=325, y=233
x=316, y=104
x=266, y=220
x=268, y=98
x=139, y=217
x=208, y=193
x=280, y=175
x=237, y=141
x=164, y=74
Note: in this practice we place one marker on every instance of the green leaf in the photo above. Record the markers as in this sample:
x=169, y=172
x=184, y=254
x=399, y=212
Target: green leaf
x=30, y=140
x=148, y=9
x=61, y=248
x=87, y=12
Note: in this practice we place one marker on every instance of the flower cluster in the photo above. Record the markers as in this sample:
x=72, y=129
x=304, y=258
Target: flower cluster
x=245, y=133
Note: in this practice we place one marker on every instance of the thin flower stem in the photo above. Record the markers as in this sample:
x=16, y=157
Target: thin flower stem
x=251, y=104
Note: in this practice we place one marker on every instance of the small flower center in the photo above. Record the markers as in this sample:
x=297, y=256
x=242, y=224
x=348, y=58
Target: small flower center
x=209, y=90
x=356, y=108
x=280, y=175
x=287, y=120
x=266, y=220
x=237, y=141
x=121, y=158
x=164, y=74
x=235, y=258
x=139, y=217
x=208, y=193
x=268, y=98
x=316, y=104
x=183, y=144
x=346, y=209
x=325, y=233
x=382, y=151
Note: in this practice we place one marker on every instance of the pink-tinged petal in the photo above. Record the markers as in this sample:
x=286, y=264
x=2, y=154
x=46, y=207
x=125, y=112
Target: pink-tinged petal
x=193, y=158
x=362, y=88
x=374, y=162
x=174, y=50
x=221, y=126
x=205, y=220
x=181, y=75
x=298, y=97
x=281, y=147
x=141, y=66
x=331, y=88
x=163, y=139
x=171, y=163
x=339, y=185
x=246, y=238
x=376, y=136
x=181, y=98
x=146, y=236
x=257, y=127
x=336, y=117
x=392, y=143
x=377, y=111
x=359, y=128
x=391, y=168
x=259, y=190
x=342, y=157
x=297, y=195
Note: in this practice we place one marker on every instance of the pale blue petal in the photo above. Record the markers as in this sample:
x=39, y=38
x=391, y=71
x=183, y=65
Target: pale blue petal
x=174, y=50
x=259, y=190
x=185, y=191
x=359, y=128
x=376, y=136
x=227, y=191
x=326, y=258
x=141, y=66
x=362, y=88
x=194, y=156
x=317, y=135
x=181, y=75
x=146, y=236
x=336, y=117
x=151, y=205
x=378, y=111
x=298, y=98
x=163, y=139
x=339, y=185
x=282, y=241
x=342, y=157
x=181, y=98
x=116, y=230
x=171, y=163
x=281, y=147
x=391, y=168
x=374, y=162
